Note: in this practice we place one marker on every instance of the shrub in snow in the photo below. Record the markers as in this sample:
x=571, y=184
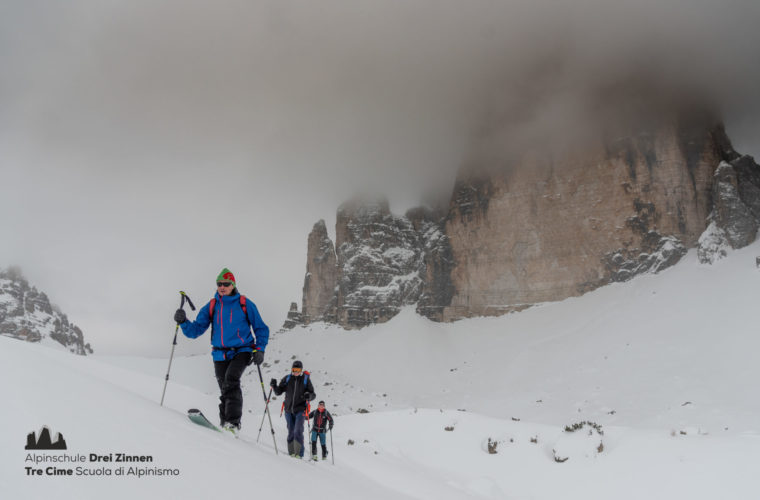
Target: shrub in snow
x=580, y=440
x=580, y=425
x=492, y=446
x=449, y=428
x=692, y=431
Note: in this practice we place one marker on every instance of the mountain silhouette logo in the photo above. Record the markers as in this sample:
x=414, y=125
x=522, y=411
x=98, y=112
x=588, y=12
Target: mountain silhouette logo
x=43, y=441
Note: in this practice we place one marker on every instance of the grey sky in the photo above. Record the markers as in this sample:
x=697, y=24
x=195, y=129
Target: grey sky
x=146, y=145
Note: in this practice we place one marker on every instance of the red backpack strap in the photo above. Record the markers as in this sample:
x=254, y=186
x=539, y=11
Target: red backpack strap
x=211, y=307
x=243, y=301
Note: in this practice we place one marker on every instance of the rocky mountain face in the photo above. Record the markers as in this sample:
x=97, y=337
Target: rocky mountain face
x=26, y=314
x=549, y=228
x=321, y=281
x=735, y=217
x=378, y=264
x=539, y=227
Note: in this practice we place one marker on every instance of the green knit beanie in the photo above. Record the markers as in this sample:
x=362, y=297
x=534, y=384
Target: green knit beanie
x=226, y=275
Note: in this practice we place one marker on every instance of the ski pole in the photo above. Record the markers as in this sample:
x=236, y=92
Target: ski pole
x=266, y=409
x=174, y=344
x=308, y=423
x=332, y=451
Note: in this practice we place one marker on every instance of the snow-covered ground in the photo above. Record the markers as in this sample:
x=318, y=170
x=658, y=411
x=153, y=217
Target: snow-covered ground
x=664, y=366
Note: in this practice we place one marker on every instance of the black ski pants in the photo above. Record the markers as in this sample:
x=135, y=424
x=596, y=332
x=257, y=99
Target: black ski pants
x=228, y=373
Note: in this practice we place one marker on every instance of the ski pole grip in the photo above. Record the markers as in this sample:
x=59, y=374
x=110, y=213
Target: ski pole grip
x=189, y=302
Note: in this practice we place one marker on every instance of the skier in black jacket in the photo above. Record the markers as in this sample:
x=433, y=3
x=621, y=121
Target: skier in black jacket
x=322, y=419
x=298, y=392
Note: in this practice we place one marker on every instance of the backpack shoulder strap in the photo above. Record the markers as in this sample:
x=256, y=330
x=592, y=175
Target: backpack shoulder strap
x=305, y=377
x=211, y=307
x=245, y=309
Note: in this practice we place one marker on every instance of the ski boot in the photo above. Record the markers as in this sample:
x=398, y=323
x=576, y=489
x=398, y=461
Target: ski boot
x=324, y=452
x=231, y=428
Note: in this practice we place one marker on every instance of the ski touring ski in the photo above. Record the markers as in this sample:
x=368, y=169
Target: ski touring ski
x=197, y=417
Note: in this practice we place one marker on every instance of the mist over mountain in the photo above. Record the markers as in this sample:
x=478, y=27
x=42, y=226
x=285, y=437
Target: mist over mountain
x=140, y=139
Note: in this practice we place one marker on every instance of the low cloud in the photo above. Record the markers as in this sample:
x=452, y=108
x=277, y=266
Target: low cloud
x=147, y=144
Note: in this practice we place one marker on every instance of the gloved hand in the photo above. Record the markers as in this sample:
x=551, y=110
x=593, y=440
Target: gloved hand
x=180, y=316
x=307, y=396
x=331, y=425
x=273, y=382
x=258, y=357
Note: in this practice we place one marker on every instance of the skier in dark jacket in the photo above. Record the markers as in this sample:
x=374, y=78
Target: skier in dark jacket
x=298, y=392
x=233, y=345
x=322, y=421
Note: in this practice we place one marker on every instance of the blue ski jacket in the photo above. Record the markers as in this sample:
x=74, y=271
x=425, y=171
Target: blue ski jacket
x=230, y=330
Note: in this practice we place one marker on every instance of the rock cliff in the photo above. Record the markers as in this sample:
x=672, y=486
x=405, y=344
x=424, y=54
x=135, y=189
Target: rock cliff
x=540, y=226
x=321, y=281
x=735, y=217
x=26, y=314
x=547, y=227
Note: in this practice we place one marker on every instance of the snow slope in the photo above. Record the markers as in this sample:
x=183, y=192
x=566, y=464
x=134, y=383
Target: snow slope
x=664, y=351
x=105, y=410
x=664, y=364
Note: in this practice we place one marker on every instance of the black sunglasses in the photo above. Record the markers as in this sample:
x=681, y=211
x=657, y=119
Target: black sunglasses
x=219, y=283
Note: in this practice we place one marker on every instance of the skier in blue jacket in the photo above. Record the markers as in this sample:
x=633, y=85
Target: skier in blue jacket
x=231, y=317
